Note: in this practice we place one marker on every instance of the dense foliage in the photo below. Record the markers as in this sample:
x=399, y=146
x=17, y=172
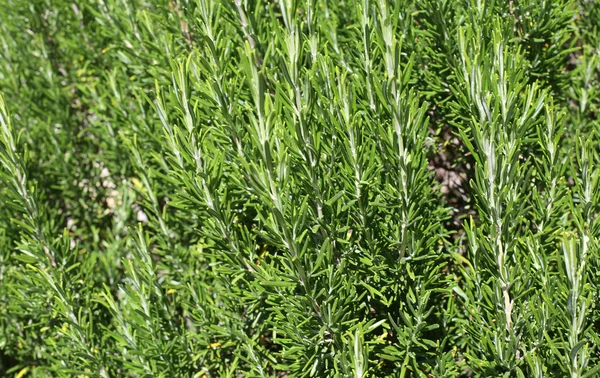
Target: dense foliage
x=205, y=188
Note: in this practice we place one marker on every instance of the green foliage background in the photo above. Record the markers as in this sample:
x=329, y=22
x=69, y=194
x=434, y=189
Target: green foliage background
x=205, y=188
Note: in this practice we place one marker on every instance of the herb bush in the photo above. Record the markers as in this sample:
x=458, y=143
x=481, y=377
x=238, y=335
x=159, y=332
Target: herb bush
x=204, y=188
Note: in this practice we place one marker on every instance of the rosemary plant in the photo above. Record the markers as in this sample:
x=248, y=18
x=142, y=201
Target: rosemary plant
x=232, y=188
